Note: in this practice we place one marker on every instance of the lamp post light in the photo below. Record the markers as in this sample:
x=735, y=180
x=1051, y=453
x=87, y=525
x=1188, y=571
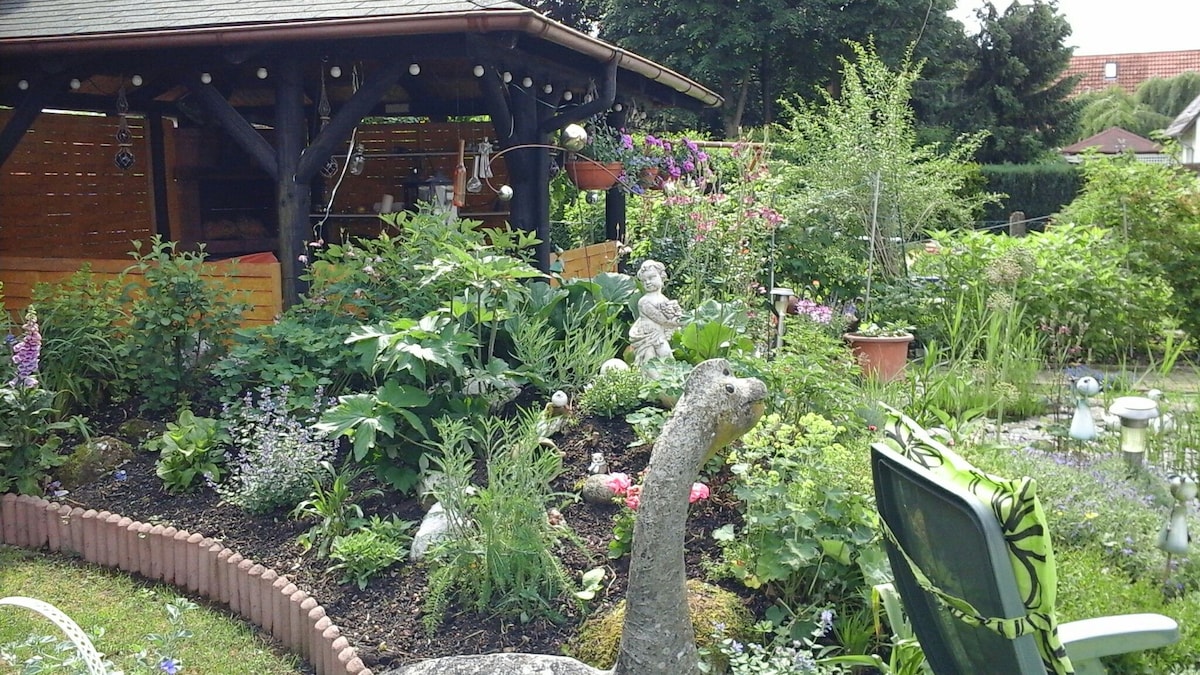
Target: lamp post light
x=780, y=298
x=1135, y=413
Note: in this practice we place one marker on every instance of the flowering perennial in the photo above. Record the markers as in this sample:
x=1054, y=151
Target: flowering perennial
x=26, y=351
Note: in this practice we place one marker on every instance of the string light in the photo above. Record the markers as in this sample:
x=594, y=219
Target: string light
x=261, y=73
x=75, y=83
x=136, y=80
x=414, y=69
x=567, y=95
x=478, y=71
x=335, y=71
x=206, y=78
x=23, y=85
x=548, y=88
x=507, y=77
x=527, y=82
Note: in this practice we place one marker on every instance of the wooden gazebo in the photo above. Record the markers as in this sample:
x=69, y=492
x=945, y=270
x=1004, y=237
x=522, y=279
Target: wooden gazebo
x=288, y=83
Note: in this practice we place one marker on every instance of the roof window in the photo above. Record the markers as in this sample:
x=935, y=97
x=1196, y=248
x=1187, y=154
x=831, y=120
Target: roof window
x=1110, y=70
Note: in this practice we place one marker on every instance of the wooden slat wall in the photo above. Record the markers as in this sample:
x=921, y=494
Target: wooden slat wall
x=589, y=261
x=61, y=195
x=259, y=282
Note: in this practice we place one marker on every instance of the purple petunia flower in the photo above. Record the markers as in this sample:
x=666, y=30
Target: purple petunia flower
x=169, y=666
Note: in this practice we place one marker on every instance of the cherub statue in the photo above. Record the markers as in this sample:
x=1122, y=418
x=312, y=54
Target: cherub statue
x=658, y=316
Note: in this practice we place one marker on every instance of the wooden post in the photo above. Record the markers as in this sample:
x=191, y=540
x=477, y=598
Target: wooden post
x=1016, y=224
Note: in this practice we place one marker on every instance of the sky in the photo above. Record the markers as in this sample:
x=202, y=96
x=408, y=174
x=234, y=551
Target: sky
x=1117, y=26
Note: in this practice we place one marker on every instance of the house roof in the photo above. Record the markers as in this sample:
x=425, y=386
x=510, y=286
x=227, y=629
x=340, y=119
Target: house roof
x=1131, y=69
x=1185, y=119
x=1114, y=141
x=110, y=37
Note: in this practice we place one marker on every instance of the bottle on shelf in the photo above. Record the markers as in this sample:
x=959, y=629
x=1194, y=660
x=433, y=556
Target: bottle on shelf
x=460, y=177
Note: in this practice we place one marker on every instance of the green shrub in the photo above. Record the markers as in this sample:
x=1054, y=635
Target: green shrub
x=502, y=557
x=808, y=512
x=1154, y=211
x=1074, y=274
x=192, y=447
x=1037, y=190
x=814, y=373
x=80, y=321
x=613, y=392
x=365, y=553
x=179, y=322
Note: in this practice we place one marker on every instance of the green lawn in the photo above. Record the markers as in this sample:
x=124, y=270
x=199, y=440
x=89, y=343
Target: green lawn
x=128, y=610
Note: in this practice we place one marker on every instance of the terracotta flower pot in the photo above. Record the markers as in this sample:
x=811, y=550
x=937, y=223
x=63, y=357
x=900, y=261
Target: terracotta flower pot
x=881, y=357
x=589, y=175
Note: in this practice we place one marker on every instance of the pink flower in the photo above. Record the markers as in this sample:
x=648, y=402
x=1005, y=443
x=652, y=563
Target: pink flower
x=619, y=483
x=699, y=491
x=634, y=497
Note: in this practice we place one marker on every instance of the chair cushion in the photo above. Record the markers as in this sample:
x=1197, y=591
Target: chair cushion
x=1023, y=522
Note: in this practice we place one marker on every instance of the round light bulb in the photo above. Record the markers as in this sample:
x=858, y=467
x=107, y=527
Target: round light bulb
x=206, y=78
x=75, y=84
x=573, y=137
x=414, y=69
x=567, y=96
x=548, y=88
x=23, y=85
x=618, y=107
x=507, y=77
x=136, y=80
x=261, y=73
x=527, y=82
x=478, y=71
x=335, y=71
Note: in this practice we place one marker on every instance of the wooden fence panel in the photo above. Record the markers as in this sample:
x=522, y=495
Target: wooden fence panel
x=255, y=283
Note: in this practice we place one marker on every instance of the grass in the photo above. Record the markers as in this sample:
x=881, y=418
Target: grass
x=128, y=610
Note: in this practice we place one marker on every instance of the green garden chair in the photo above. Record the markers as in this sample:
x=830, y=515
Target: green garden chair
x=971, y=559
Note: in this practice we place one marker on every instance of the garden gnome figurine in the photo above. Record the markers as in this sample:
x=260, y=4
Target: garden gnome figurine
x=1083, y=427
x=658, y=316
x=1174, y=536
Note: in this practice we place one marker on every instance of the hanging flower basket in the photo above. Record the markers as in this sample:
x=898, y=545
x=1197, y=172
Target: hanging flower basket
x=589, y=175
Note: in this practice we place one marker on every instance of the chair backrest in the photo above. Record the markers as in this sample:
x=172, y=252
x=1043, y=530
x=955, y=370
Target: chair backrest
x=955, y=541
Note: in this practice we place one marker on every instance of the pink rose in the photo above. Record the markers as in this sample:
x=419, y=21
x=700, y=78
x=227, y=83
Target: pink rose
x=634, y=498
x=619, y=483
x=699, y=491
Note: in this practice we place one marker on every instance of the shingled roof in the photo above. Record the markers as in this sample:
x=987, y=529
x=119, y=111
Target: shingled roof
x=1184, y=119
x=77, y=29
x=1114, y=141
x=1130, y=70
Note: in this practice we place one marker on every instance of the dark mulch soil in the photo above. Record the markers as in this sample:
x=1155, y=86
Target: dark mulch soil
x=383, y=622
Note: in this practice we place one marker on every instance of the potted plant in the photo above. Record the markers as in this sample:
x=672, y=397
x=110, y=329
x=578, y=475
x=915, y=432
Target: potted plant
x=598, y=165
x=881, y=349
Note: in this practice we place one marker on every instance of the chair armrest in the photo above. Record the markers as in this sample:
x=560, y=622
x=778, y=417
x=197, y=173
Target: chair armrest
x=1120, y=634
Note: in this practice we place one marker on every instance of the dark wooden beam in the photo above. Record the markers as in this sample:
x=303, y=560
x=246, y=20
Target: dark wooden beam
x=294, y=197
x=235, y=125
x=602, y=102
x=39, y=94
x=338, y=130
x=158, y=174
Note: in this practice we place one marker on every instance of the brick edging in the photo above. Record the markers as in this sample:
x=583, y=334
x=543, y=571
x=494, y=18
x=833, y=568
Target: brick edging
x=200, y=564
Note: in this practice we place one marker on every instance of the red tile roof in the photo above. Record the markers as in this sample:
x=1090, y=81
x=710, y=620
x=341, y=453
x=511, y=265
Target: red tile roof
x=1114, y=141
x=1131, y=69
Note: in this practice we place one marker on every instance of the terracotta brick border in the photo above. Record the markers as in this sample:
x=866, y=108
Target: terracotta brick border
x=199, y=564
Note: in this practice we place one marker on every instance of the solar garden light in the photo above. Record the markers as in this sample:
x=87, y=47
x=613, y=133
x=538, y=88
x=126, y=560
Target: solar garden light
x=1135, y=413
x=781, y=298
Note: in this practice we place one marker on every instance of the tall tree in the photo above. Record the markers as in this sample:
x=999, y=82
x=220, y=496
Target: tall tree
x=1016, y=89
x=754, y=52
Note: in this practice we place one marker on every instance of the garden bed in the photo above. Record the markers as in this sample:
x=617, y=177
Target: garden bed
x=383, y=622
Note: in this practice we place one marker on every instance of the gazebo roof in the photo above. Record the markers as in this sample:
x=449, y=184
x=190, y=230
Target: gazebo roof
x=102, y=45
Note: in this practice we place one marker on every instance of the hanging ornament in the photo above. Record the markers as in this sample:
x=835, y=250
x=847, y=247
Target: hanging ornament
x=124, y=158
x=324, y=110
x=358, y=160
